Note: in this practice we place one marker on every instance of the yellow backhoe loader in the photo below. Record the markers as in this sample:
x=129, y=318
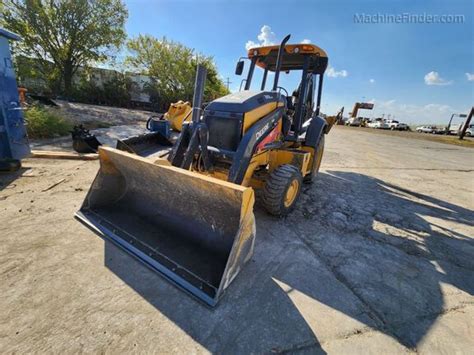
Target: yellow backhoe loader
x=355, y=120
x=186, y=209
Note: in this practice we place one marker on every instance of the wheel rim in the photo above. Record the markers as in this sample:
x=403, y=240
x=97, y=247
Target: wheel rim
x=291, y=193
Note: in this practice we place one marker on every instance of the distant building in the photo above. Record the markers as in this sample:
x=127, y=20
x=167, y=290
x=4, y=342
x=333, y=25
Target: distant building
x=37, y=84
x=139, y=93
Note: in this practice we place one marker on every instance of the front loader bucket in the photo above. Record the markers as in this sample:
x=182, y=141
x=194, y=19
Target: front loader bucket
x=195, y=230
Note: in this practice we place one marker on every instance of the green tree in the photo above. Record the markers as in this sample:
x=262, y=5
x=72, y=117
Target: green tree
x=172, y=69
x=114, y=91
x=67, y=33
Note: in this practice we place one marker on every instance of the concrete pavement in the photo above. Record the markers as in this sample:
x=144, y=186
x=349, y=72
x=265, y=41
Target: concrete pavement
x=377, y=257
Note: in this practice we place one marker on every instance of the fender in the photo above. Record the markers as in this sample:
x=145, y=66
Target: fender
x=315, y=131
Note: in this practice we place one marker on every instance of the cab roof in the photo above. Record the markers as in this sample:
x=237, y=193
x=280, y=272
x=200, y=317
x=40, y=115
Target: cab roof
x=293, y=57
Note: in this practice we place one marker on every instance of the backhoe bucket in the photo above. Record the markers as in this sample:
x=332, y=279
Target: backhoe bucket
x=195, y=230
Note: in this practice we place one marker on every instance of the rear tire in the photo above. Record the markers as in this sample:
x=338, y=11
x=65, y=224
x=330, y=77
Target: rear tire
x=282, y=190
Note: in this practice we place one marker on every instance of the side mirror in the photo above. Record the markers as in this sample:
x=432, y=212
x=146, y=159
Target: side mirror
x=239, y=68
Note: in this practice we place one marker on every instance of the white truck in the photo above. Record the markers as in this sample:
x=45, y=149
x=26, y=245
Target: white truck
x=378, y=123
x=354, y=121
x=470, y=131
x=457, y=128
x=395, y=125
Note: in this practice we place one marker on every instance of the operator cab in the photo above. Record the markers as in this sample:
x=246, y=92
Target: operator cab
x=311, y=60
x=230, y=117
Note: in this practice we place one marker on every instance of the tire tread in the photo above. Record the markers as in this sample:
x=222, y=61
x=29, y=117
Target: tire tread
x=275, y=189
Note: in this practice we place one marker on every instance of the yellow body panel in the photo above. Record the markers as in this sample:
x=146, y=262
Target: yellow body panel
x=254, y=115
x=257, y=160
x=312, y=151
x=299, y=158
x=251, y=117
x=302, y=159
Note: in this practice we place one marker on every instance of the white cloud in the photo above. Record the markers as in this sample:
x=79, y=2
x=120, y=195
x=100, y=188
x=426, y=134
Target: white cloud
x=333, y=73
x=372, y=81
x=470, y=77
x=433, y=78
x=434, y=113
x=250, y=44
x=266, y=37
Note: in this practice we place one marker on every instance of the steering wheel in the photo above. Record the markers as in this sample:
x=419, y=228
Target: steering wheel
x=281, y=88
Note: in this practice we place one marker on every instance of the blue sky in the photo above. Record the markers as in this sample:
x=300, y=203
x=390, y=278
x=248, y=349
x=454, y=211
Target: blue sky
x=415, y=71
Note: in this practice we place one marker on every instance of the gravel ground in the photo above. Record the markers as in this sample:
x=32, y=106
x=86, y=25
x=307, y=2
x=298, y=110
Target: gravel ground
x=106, y=136
x=119, y=122
x=85, y=113
x=377, y=258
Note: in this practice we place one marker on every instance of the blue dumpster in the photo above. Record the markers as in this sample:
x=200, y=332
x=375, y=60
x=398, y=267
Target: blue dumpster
x=14, y=143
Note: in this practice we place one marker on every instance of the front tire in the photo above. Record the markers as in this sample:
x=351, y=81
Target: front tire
x=282, y=190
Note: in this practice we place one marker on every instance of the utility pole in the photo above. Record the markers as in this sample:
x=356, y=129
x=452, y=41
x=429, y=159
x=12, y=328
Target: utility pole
x=466, y=124
x=228, y=82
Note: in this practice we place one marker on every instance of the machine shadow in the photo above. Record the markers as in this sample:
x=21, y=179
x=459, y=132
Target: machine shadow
x=6, y=178
x=397, y=250
x=254, y=315
x=311, y=268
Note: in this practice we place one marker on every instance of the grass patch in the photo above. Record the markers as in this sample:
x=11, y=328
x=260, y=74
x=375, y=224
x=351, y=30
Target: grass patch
x=43, y=123
x=466, y=142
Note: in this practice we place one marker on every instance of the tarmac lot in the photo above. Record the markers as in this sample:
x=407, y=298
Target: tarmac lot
x=377, y=258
